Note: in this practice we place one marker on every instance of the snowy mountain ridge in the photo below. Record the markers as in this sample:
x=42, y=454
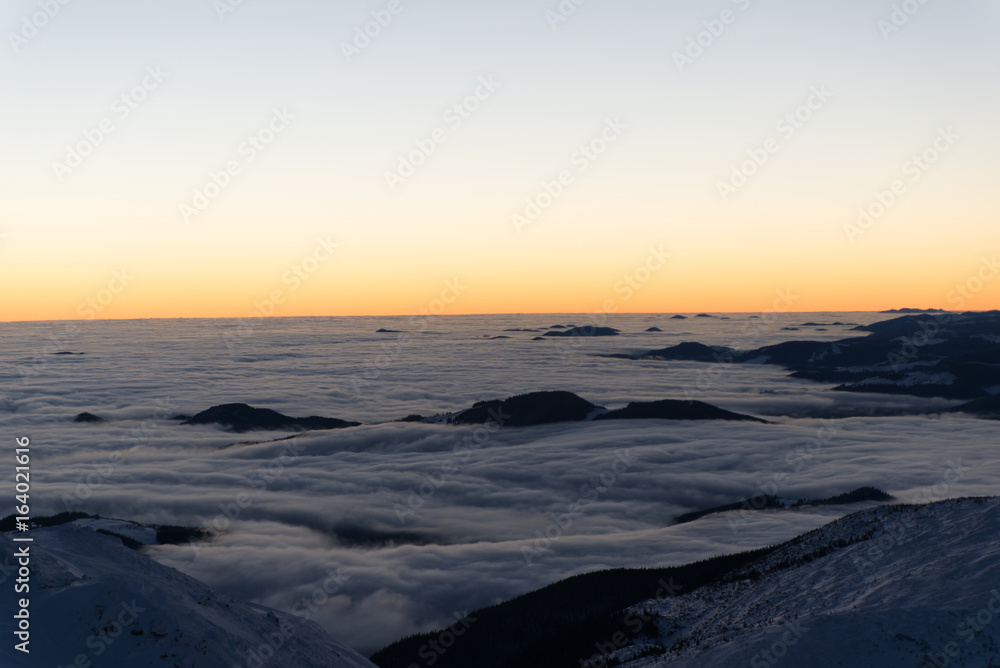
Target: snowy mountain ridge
x=890, y=586
x=94, y=602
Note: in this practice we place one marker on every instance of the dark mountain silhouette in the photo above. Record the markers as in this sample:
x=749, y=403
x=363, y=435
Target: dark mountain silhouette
x=772, y=502
x=674, y=409
x=88, y=417
x=528, y=409
x=588, y=330
x=523, y=410
x=914, y=310
x=950, y=355
x=241, y=417
x=690, y=351
x=986, y=407
x=537, y=408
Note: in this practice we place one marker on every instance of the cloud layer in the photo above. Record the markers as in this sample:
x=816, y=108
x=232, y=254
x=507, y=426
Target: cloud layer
x=426, y=520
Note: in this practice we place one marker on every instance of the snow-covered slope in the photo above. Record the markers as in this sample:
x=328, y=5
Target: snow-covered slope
x=891, y=586
x=94, y=602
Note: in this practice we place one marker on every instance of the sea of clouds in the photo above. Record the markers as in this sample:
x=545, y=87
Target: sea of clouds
x=423, y=522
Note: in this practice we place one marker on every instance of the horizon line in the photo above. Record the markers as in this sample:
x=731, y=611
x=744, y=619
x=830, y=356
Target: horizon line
x=903, y=311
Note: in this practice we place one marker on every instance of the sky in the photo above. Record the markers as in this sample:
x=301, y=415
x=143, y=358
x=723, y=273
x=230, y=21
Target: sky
x=223, y=158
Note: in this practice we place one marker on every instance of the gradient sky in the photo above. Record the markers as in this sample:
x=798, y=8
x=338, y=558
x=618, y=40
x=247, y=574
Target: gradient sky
x=63, y=237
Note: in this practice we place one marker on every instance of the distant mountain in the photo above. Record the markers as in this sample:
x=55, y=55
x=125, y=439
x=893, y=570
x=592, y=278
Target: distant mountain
x=674, y=409
x=690, y=351
x=772, y=502
x=914, y=310
x=950, y=355
x=987, y=407
x=241, y=417
x=528, y=409
x=536, y=408
x=95, y=602
x=533, y=408
x=584, y=331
